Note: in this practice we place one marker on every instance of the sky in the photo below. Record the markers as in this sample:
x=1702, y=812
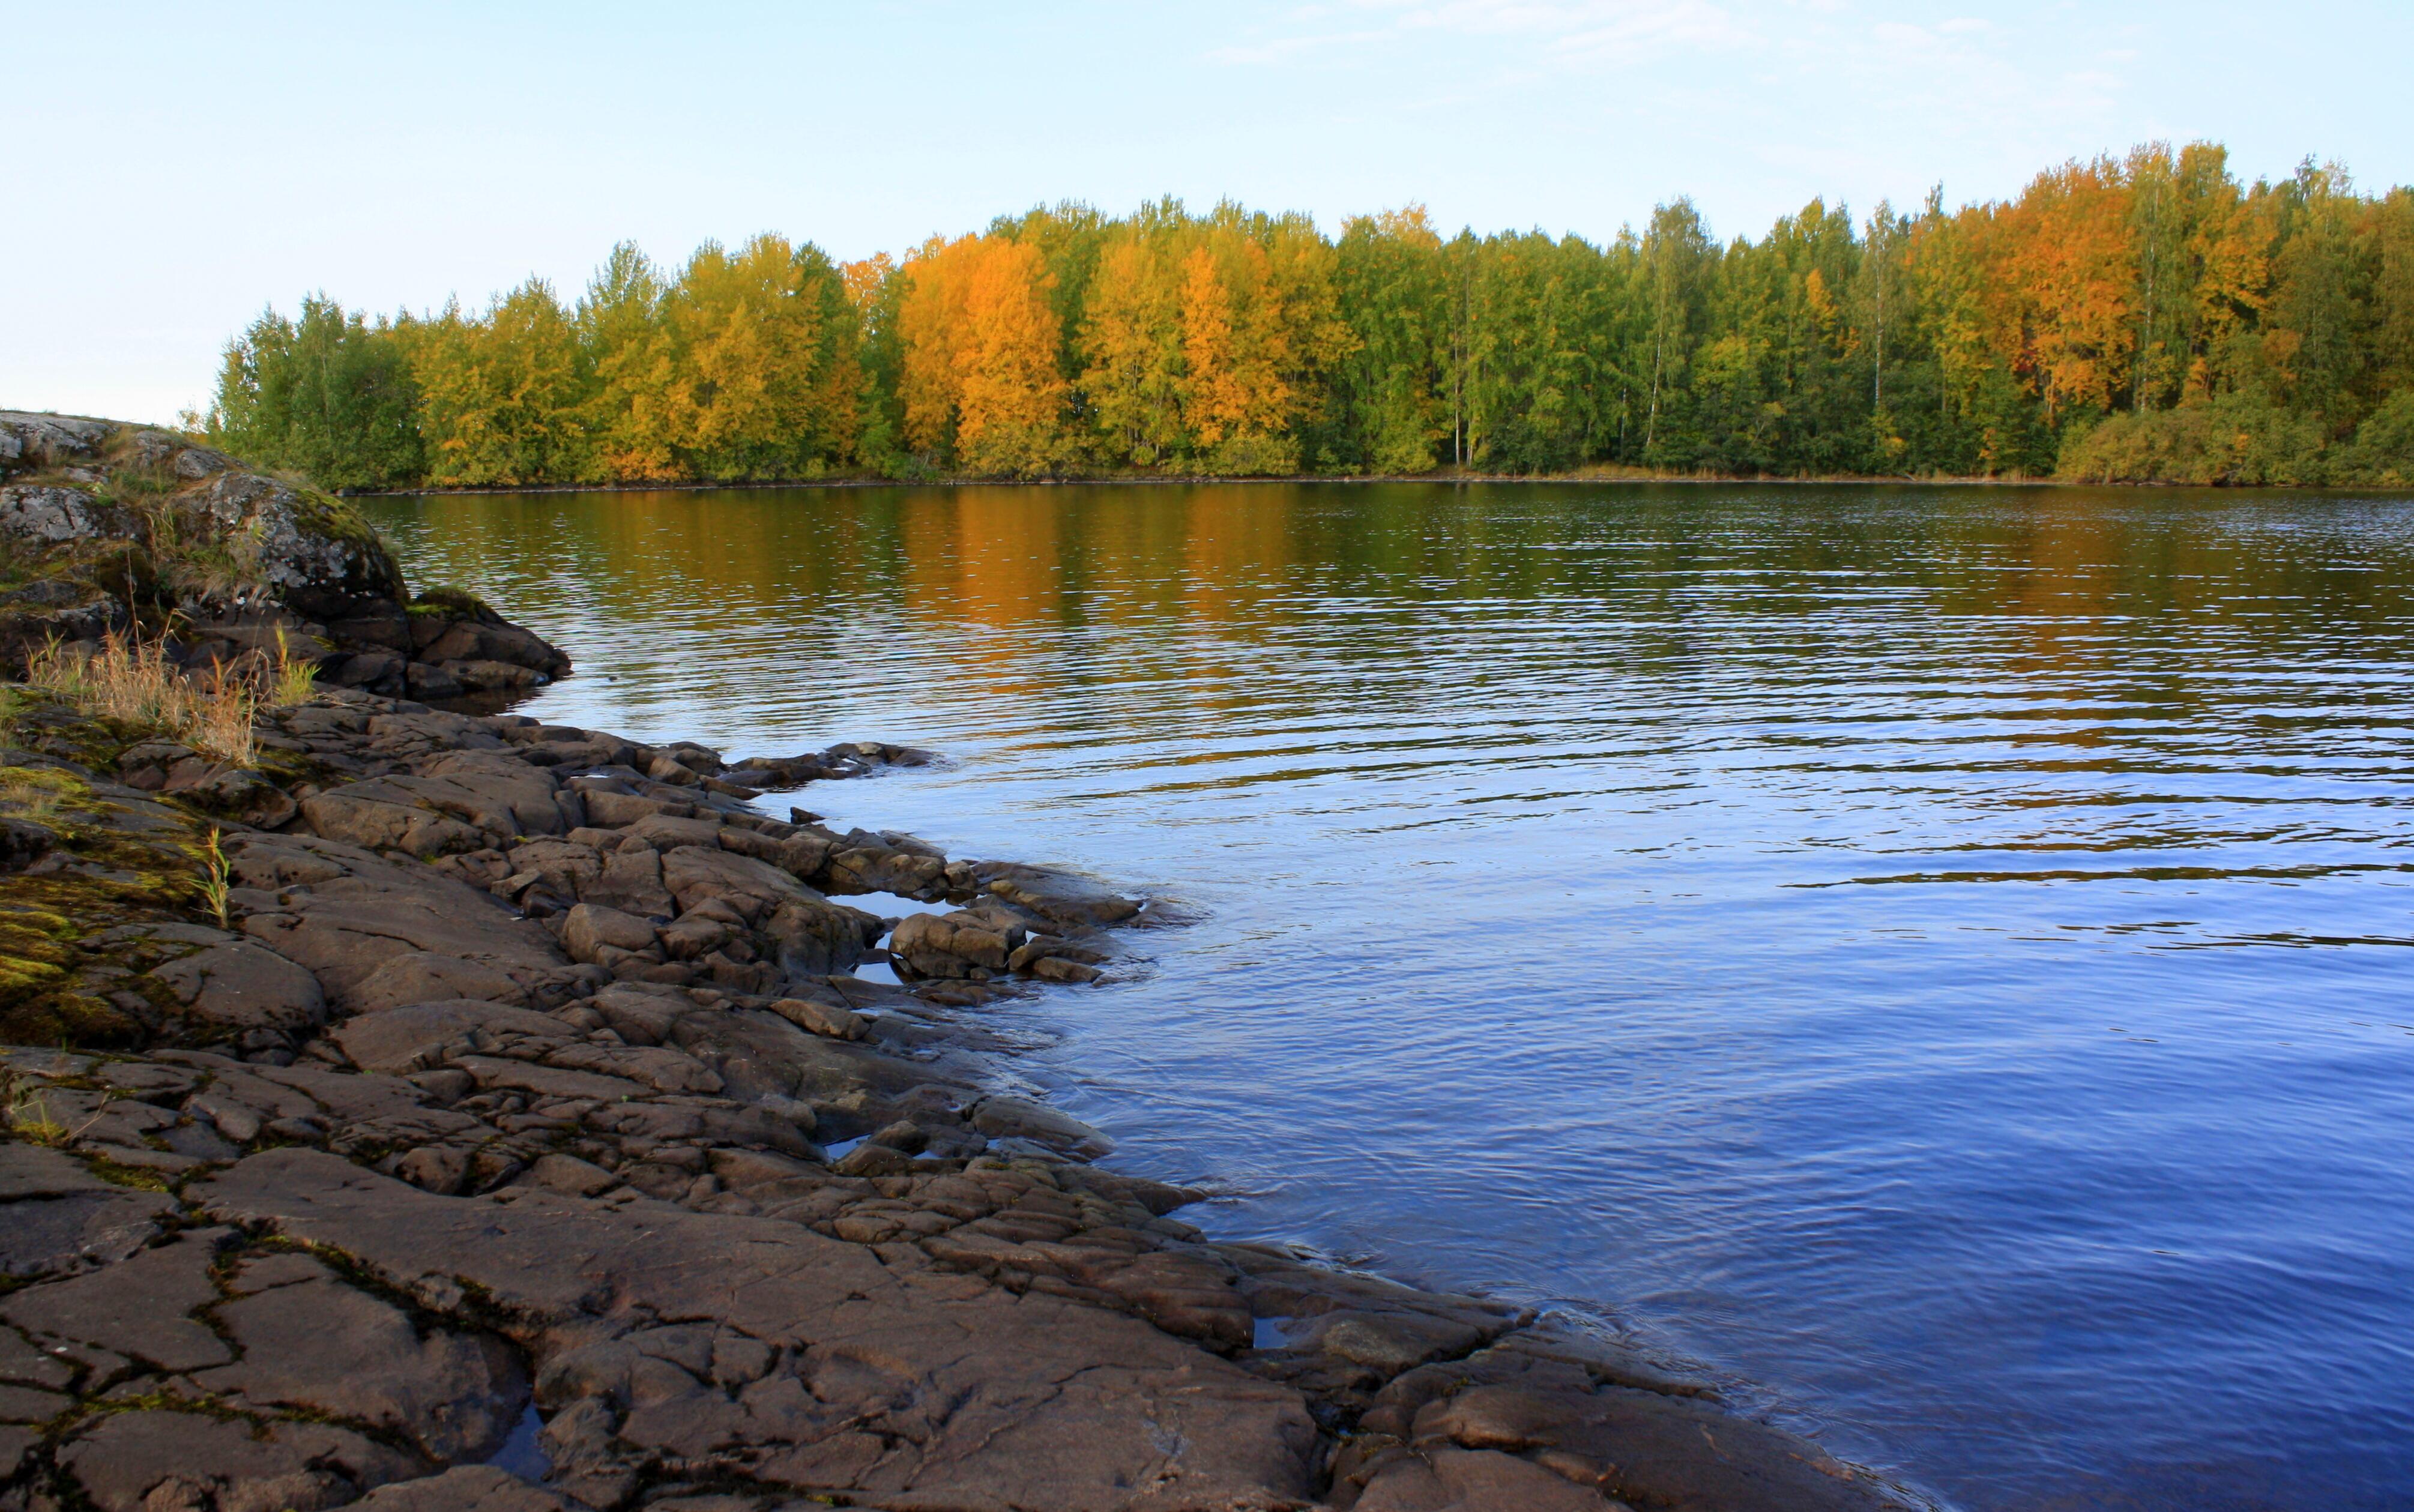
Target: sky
x=174, y=170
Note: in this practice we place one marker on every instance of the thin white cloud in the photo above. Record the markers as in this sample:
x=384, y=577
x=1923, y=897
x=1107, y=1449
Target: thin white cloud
x=1290, y=49
x=1584, y=22
x=1584, y=32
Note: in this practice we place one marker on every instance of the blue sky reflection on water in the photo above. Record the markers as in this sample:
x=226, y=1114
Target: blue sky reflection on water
x=1937, y=957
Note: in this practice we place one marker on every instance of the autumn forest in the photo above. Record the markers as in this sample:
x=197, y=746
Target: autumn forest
x=2147, y=318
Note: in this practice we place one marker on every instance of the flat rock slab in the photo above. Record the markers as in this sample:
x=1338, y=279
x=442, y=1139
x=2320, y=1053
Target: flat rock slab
x=463, y=1488
x=317, y=1345
x=948, y=1392
x=141, y=1308
x=353, y=917
x=144, y=1462
x=244, y=986
x=45, y=1236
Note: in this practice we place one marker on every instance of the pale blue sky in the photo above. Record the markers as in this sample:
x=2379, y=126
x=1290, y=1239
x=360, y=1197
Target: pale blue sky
x=174, y=168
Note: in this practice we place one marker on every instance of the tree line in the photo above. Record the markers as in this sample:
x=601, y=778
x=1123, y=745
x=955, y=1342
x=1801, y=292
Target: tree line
x=2139, y=317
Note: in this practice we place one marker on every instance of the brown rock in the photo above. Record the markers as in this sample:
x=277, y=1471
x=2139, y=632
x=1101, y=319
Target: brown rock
x=1017, y=1118
x=245, y=985
x=78, y=1230
x=421, y=1035
x=632, y=881
x=1392, y=1341
x=1049, y=1403
x=141, y=1307
x=463, y=1488
x=1058, y=896
x=592, y=924
x=29, y=1170
x=613, y=810
x=952, y=945
x=821, y=1019
x=443, y=1169
x=695, y=873
x=344, y=913
x=666, y=832
x=695, y=936
x=426, y=976
x=814, y=937
x=1456, y=1480
x=321, y=1346
x=743, y=1168
x=171, y=1461
x=641, y=1015
x=568, y=1173
x=1057, y=969
x=1651, y=1446
x=380, y=816
x=568, y=865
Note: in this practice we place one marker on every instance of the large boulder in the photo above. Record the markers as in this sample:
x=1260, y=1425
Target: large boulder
x=121, y=525
x=307, y=546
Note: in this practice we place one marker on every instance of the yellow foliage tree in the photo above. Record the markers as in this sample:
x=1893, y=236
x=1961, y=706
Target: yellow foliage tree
x=1131, y=352
x=503, y=396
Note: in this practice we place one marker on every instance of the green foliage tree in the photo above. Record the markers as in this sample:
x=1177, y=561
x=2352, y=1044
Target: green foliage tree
x=328, y=394
x=2140, y=318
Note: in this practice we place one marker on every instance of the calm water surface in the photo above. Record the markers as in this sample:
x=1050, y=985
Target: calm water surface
x=1937, y=957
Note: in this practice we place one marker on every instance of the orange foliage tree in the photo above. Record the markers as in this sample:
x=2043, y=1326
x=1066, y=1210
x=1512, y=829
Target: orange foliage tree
x=980, y=380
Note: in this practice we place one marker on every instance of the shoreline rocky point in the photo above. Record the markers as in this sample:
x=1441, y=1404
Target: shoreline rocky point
x=442, y=1109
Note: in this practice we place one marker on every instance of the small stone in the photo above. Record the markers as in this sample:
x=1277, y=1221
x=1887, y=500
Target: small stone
x=1056, y=969
x=821, y=1019
x=867, y=1159
x=591, y=929
x=438, y=1168
x=568, y=1173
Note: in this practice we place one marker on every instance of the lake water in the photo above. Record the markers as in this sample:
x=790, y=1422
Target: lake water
x=1935, y=958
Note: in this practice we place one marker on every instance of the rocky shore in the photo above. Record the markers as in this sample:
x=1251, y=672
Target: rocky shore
x=442, y=1109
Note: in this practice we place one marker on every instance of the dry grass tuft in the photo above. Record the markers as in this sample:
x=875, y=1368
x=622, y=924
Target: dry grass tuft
x=132, y=681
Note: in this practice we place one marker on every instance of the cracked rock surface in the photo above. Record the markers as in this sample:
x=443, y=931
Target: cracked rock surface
x=510, y=1131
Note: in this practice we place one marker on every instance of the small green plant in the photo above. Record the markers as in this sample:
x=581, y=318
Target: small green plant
x=213, y=878
x=29, y=1116
x=292, y=682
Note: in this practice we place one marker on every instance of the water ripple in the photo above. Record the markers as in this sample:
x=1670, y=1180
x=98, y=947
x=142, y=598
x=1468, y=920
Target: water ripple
x=1931, y=955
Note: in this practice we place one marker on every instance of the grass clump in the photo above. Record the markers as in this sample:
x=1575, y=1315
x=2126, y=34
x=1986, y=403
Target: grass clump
x=29, y=1115
x=288, y=681
x=132, y=681
x=214, y=878
x=34, y=793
